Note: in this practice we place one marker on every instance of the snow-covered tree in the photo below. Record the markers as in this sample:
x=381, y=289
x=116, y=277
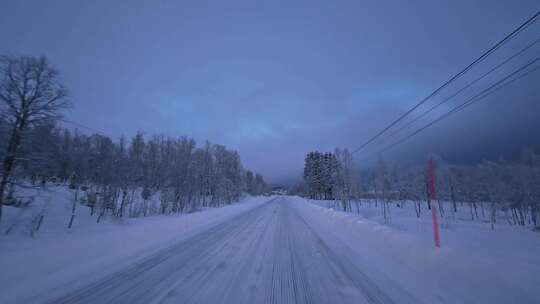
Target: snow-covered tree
x=31, y=92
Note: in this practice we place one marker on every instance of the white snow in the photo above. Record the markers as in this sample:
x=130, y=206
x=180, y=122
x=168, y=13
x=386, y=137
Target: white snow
x=474, y=264
x=56, y=257
x=324, y=250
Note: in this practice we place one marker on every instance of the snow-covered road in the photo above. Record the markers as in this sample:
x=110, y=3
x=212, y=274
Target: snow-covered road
x=269, y=254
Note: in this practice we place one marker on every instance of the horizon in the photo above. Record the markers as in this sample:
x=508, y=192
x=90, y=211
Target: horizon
x=289, y=80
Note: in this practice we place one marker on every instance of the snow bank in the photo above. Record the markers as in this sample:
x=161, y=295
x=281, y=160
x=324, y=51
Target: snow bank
x=56, y=257
x=475, y=264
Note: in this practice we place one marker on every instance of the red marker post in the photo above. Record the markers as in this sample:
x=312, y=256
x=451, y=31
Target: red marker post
x=432, y=196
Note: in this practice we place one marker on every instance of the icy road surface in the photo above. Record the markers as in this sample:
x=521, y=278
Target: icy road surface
x=267, y=255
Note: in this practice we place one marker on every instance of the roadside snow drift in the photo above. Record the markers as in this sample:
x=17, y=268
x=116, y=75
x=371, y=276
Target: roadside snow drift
x=57, y=259
x=474, y=265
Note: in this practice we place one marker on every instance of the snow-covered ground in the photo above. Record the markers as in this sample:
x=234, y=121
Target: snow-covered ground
x=269, y=250
x=58, y=259
x=474, y=265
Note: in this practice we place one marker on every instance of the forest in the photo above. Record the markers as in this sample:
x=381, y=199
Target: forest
x=111, y=176
x=493, y=191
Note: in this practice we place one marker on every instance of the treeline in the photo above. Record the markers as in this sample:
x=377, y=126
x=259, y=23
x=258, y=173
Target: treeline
x=329, y=175
x=493, y=191
x=105, y=174
x=183, y=175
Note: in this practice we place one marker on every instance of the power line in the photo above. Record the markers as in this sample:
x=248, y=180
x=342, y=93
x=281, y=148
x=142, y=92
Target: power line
x=508, y=37
x=478, y=97
x=465, y=87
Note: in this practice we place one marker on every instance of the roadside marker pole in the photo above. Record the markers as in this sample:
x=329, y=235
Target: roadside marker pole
x=432, y=196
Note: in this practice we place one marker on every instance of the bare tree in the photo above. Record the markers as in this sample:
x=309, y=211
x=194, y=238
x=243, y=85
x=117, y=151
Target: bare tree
x=30, y=93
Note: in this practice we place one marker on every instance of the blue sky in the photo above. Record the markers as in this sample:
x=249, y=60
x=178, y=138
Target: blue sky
x=273, y=79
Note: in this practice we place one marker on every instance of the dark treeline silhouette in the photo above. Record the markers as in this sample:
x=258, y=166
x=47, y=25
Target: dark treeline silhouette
x=329, y=175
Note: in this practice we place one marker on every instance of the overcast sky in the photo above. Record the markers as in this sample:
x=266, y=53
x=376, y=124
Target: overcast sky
x=275, y=80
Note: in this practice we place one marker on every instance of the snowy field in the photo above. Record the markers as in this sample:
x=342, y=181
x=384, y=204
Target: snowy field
x=283, y=249
x=475, y=264
x=60, y=259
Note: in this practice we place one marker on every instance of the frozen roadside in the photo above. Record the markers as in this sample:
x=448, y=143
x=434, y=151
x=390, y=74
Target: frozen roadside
x=447, y=275
x=32, y=266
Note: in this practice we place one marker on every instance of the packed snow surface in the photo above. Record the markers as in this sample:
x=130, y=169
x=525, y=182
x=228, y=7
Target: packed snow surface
x=33, y=270
x=264, y=250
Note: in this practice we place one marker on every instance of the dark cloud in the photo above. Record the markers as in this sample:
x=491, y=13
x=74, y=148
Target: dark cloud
x=275, y=80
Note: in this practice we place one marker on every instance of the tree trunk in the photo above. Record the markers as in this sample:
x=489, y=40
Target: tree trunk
x=123, y=203
x=73, y=207
x=9, y=159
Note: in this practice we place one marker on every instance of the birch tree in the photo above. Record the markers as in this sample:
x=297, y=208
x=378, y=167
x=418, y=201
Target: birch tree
x=31, y=92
